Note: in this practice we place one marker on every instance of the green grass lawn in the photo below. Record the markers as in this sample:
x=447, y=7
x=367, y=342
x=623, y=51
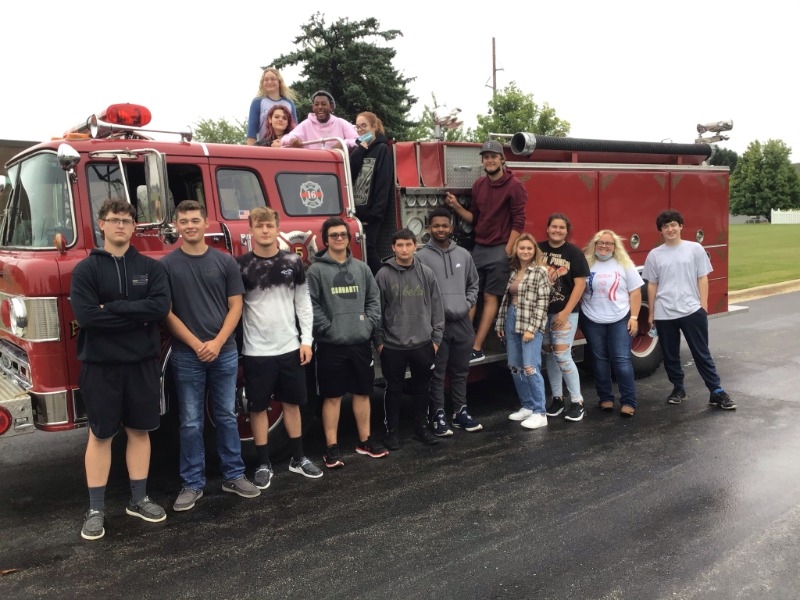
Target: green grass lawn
x=761, y=253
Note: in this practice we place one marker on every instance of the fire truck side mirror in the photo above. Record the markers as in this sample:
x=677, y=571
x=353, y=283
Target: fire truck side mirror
x=168, y=234
x=68, y=157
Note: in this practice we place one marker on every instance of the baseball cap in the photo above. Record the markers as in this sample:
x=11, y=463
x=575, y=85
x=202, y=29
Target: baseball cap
x=492, y=146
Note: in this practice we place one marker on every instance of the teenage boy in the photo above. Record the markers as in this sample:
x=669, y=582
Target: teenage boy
x=276, y=300
x=347, y=311
x=206, y=306
x=119, y=297
x=412, y=326
x=458, y=281
x=497, y=213
x=321, y=123
x=677, y=287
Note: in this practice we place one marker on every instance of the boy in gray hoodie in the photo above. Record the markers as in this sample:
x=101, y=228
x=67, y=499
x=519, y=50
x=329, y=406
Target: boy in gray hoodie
x=458, y=280
x=412, y=329
x=347, y=311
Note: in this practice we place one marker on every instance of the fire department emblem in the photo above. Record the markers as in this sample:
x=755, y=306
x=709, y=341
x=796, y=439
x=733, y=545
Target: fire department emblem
x=311, y=194
x=302, y=243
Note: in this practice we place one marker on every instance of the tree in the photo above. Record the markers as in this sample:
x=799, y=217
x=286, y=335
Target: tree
x=345, y=59
x=425, y=128
x=725, y=158
x=764, y=179
x=511, y=111
x=220, y=131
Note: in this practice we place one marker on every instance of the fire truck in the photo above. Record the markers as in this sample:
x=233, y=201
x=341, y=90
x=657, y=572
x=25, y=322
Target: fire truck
x=52, y=192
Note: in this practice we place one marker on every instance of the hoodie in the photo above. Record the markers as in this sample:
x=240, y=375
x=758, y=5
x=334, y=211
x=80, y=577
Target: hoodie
x=345, y=299
x=373, y=179
x=312, y=129
x=456, y=275
x=411, y=304
x=498, y=208
x=134, y=292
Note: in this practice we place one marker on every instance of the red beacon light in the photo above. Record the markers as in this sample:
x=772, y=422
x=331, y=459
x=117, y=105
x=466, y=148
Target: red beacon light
x=115, y=118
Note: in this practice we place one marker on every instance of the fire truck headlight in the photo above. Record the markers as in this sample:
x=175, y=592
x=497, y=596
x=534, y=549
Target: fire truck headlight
x=18, y=316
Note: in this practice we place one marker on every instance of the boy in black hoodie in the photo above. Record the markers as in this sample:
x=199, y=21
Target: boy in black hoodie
x=119, y=297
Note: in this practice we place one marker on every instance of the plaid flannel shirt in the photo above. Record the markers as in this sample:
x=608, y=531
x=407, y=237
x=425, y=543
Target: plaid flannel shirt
x=532, y=301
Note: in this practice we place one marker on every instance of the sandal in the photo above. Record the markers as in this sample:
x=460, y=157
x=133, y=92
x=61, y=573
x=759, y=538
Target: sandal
x=607, y=405
x=626, y=410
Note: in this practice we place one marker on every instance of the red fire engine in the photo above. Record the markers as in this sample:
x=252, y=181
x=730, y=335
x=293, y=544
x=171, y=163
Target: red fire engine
x=53, y=191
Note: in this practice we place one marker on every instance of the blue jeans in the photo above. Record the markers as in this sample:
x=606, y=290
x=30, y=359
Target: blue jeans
x=560, y=365
x=695, y=329
x=192, y=378
x=610, y=344
x=522, y=355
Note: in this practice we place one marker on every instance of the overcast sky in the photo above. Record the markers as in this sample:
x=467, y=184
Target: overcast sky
x=614, y=69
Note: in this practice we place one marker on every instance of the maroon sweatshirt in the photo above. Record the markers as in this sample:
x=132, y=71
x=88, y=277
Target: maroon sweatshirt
x=498, y=207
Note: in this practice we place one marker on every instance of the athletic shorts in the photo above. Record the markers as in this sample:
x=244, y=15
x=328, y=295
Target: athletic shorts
x=342, y=369
x=127, y=395
x=493, y=267
x=281, y=375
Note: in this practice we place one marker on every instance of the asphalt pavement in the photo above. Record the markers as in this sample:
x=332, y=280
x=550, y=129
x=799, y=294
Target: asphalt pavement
x=680, y=502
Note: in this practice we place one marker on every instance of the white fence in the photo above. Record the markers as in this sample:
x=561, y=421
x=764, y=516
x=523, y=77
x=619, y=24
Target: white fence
x=785, y=217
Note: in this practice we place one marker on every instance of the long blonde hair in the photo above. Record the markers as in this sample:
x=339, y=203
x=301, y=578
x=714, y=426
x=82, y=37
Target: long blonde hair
x=619, y=252
x=284, y=90
x=538, y=255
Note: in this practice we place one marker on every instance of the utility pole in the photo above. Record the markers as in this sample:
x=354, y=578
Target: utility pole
x=494, y=71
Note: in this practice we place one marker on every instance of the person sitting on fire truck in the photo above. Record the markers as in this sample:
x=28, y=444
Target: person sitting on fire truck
x=272, y=91
x=277, y=325
x=497, y=214
x=279, y=123
x=119, y=297
x=206, y=306
x=321, y=123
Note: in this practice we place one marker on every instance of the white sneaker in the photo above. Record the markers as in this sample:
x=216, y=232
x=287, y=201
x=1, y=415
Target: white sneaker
x=535, y=421
x=521, y=414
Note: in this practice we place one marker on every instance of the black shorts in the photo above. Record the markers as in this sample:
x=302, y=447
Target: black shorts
x=282, y=375
x=342, y=369
x=494, y=268
x=121, y=394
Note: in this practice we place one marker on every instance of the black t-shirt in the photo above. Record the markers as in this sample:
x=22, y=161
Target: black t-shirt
x=564, y=264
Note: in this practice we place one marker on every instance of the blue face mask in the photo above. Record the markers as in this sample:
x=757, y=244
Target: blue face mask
x=602, y=257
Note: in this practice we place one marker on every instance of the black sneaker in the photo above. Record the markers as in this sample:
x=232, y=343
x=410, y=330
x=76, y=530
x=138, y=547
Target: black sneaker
x=476, y=356
x=93, y=522
x=333, y=457
x=305, y=467
x=146, y=509
x=575, y=412
x=263, y=476
x=425, y=435
x=555, y=407
x=440, y=426
x=463, y=420
x=677, y=396
x=721, y=400
x=392, y=440
x=371, y=448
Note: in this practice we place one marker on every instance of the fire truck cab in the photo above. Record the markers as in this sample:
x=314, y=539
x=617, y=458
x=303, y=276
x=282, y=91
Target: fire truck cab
x=52, y=193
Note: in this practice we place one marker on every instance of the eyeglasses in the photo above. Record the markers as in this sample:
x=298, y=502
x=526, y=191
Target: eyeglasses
x=606, y=244
x=118, y=222
x=361, y=126
x=337, y=235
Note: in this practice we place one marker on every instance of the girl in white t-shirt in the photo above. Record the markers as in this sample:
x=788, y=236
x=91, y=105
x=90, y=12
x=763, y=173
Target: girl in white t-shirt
x=609, y=317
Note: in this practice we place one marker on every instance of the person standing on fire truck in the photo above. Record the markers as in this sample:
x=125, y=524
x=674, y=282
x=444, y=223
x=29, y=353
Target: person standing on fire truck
x=276, y=301
x=272, y=91
x=206, y=306
x=119, y=297
x=497, y=213
x=321, y=123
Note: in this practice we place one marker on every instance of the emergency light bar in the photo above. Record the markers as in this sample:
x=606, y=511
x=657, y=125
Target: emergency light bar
x=125, y=115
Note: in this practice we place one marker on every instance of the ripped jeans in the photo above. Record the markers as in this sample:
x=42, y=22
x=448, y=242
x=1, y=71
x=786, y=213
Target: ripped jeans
x=560, y=365
x=525, y=363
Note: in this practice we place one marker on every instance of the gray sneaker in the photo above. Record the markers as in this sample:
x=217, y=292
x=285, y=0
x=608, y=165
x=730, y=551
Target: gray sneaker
x=186, y=499
x=242, y=487
x=263, y=477
x=305, y=467
x=93, y=525
x=146, y=509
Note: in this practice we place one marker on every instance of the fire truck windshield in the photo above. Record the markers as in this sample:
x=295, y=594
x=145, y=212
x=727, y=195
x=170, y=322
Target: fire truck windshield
x=37, y=204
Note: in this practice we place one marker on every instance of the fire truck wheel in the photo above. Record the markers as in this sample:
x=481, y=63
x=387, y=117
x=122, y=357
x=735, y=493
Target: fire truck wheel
x=645, y=351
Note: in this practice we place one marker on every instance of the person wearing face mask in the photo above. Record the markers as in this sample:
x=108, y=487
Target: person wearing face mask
x=321, y=123
x=373, y=176
x=609, y=317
